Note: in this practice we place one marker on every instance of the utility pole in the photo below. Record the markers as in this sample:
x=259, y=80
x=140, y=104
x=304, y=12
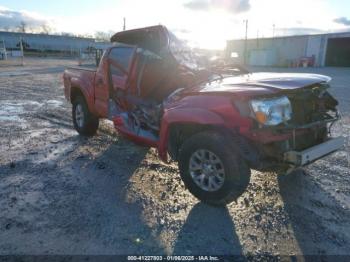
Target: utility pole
x=124, y=24
x=246, y=41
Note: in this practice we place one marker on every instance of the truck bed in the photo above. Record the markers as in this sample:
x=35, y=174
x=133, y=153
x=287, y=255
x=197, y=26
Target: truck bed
x=82, y=77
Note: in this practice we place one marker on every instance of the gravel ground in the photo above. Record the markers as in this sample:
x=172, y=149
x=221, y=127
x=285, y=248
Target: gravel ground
x=64, y=194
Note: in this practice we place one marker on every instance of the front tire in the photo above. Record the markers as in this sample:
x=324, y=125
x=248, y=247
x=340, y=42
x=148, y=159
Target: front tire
x=83, y=120
x=212, y=170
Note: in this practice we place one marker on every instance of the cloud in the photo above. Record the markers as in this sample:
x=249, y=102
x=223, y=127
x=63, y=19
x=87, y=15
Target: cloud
x=197, y=5
x=231, y=6
x=10, y=19
x=342, y=21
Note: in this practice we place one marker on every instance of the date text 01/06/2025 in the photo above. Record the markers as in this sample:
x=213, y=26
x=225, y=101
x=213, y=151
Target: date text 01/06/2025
x=173, y=258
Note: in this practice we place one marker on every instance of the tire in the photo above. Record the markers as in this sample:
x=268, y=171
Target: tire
x=214, y=146
x=83, y=120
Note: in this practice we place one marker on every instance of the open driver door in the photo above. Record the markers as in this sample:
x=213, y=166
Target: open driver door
x=120, y=61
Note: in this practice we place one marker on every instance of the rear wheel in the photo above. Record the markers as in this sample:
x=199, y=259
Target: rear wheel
x=212, y=170
x=84, y=121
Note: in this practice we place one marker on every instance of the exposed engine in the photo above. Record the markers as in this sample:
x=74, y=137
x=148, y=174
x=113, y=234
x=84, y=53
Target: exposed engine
x=313, y=104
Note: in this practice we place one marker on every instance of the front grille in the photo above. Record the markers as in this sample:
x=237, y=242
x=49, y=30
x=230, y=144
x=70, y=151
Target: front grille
x=303, y=110
x=312, y=105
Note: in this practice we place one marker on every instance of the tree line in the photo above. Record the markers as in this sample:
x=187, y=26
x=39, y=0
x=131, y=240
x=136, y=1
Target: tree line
x=46, y=29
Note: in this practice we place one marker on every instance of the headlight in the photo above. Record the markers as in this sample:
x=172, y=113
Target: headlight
x=272, y=111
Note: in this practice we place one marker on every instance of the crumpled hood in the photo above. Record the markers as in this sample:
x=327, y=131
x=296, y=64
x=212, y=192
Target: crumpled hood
x=263, y=83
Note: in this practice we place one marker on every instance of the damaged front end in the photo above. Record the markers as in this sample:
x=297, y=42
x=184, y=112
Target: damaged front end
x=306, y=136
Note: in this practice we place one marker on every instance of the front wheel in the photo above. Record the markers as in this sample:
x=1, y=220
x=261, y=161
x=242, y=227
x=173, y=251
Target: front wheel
x=83, y=120
x=212, y=170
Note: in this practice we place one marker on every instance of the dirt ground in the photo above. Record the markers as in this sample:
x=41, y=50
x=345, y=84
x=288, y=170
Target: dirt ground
x=64, y=194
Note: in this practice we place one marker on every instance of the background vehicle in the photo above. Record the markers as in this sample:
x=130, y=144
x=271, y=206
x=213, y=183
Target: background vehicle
x=217, y=122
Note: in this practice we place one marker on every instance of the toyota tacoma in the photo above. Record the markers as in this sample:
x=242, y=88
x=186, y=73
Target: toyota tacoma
x=218, y=121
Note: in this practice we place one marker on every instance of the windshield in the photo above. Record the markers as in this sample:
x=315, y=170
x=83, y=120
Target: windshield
x=183, y=53
x=207, y=69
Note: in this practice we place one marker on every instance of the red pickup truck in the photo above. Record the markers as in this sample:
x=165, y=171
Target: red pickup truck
x=217, y=121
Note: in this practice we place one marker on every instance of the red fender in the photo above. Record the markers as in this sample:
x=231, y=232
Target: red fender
x=87, y=89
x=184, y=116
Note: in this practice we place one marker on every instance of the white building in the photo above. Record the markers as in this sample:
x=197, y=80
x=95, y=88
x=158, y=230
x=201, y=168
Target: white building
x=324, y=49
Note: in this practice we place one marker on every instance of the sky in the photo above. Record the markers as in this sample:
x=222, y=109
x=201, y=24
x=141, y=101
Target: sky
x=202, y=23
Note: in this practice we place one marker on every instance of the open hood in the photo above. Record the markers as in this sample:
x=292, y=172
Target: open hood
x=263, y=83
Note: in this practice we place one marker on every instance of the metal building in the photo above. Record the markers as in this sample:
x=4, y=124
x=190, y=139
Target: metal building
x=43, y=42
x=319, y=50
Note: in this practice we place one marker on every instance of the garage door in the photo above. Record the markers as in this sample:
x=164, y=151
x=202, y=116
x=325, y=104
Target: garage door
x=338, y=52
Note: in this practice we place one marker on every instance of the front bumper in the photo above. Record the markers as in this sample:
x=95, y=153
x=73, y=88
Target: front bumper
x=311, y=154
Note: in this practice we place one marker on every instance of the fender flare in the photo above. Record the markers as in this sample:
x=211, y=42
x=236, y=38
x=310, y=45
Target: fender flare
x=85, y=89
x=196, y=116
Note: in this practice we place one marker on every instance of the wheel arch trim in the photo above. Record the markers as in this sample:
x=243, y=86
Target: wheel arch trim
x=77, y=87
x=189, y=116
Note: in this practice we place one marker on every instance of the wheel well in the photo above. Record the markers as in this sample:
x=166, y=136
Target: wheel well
x=75, y=92
x=180, y=132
